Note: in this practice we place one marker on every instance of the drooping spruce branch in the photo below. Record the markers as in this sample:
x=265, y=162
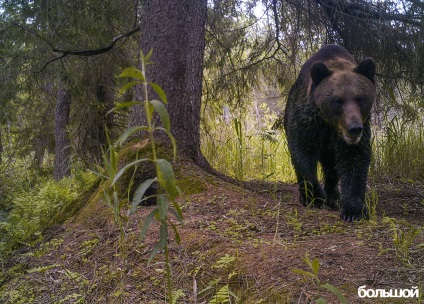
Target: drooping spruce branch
x=94, y=52
x=83, y=53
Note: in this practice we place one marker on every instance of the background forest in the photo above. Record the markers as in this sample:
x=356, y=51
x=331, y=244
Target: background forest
x=60, y=95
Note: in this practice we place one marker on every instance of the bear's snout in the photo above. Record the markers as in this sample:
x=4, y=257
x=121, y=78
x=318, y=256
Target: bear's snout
x=351, y=123
x=352, y=133
x=355, y=130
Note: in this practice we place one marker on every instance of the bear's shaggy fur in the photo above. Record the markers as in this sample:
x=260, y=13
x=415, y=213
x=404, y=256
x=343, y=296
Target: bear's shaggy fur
x=327, y=120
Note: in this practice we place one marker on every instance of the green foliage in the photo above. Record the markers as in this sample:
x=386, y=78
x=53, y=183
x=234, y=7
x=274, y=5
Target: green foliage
x=165, y=177
x=313, y=274
x=294, y=221
x=222, y=292
x=36, y=209
x=18, y=175
x=398, y=149
x=371, y=201
x=164, y=171
x=176, y=295
x=335, y=291
x=313, y=265
x=244, y=146
x=222, y=295
x=403, y=238
x=30, y=30
x=111, y=173
x=224, y=261
x=42, y=268
x=239, y=149
x=116, y=206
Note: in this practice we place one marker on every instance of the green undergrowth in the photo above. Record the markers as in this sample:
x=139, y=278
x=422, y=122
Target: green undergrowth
x=47, y=204
x=260, y=157
x=398, y=151
x=249, y=149
x=257, y=156
x=18, y=176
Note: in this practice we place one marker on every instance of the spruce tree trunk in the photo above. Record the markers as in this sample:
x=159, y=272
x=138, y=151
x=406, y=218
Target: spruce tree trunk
x=175, y=30
x=1, y=148
x=62, y=141
x=105, y=96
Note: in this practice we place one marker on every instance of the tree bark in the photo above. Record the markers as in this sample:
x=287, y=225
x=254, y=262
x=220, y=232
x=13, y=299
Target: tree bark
x=62, y=141
x=105, y=96
x=1, y=148
x=175, y=30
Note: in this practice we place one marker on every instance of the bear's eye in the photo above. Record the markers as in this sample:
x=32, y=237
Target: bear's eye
x=359, y=100
x=338, y=101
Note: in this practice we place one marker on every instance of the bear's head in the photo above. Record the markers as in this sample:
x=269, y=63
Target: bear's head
x=344, y=93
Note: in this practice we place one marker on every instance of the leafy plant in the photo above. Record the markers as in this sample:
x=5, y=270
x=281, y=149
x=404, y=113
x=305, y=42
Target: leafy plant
x=313, y=275
x=313, y=265
x=371, y=202
x=110, y=172
x=222, y=294
x=224, y=261
x=403, y=239
x=239, y=155
x=176, y=295
x=165, y=177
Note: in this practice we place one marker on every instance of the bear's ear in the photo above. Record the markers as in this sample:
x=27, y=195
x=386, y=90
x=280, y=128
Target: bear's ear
x=319, y=72
x=367, y=68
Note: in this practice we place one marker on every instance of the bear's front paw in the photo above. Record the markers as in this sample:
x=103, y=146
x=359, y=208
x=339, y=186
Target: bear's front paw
x=314, y=197
x=353, y=209
x=332, y=200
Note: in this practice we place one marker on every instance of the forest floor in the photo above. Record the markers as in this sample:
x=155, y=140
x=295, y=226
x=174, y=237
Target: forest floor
x=234, y=242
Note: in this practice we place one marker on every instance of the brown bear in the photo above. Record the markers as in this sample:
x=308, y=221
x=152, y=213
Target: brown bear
x=327, y=120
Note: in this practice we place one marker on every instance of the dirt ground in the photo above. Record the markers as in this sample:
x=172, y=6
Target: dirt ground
x=248, y=245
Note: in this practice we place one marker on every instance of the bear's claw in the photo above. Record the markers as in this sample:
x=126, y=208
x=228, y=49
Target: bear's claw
x=353, y=217
x=350, y=218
